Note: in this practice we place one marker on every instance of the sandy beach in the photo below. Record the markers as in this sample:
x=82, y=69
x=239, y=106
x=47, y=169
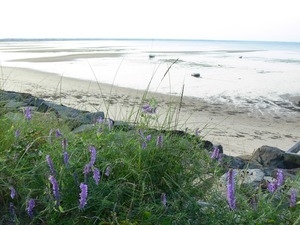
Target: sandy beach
x=239, y=130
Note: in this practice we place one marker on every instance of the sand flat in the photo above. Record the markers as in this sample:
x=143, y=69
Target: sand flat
x=239, y=130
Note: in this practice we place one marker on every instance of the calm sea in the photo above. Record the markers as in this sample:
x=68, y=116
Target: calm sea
x=259, y=75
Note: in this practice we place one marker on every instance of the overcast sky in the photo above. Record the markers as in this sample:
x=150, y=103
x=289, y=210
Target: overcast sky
x=266, y=20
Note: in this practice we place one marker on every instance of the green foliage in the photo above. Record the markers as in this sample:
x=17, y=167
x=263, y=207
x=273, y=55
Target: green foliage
x=140, y=172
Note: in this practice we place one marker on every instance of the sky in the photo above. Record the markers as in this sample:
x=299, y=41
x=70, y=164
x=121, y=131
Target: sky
x=259, y=20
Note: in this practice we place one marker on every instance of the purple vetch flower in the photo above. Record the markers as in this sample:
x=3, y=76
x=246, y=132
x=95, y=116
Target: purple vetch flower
x=50, y=164
x=99, y=120
x=216, y=153
x=107, y=171
x=87, y=169
x=144, y=145
x=148, y=109
x=12, y=192
x=58, y=134
x=55, y=189
x=164, y=199
x=92, y=150
x=230, y=190
x=64, y=144
x=17, y=133
x=83, y=195
x=280, y=177
x=293, y=197
x=96, y=175
x=30, y=207
x=66, y=158
x=27, y=113
x=272, y=186
x=148, y=138
x=159, y=140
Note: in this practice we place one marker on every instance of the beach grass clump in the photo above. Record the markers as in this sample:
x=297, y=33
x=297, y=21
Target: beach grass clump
x=111, y=175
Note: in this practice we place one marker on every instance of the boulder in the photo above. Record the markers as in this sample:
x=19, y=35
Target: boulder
x=268, y=156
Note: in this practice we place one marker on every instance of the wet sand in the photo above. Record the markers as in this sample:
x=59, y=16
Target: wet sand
x=239, y=130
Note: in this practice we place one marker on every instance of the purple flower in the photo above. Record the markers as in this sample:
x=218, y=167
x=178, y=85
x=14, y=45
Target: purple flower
x=92, y=150
x=30, y=207
x=64, y=144
x=272, y=186
x=144, y=145
x=58, y=134
x=148, y=138
x=149, y=109
x=27, y=113
x=216, y=153
x=293, y=197
x=50, y=164
x=159, y=140
x=164, y=199
x=12, y=192
x=87, y=169
x=55, y=189
x=107, y=171
x=99, y=120
x=17, y=133
x=83, y=195
x=280, y=177
x=66, y=159
x=96, y=175
x=230, y=190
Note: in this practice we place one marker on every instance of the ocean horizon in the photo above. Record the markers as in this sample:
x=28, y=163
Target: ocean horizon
x=261, y=75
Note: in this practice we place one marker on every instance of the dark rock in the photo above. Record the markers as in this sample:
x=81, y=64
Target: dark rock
x=197, y=75
x=291, y=160
x=295, y=148
x=269, y=157
x=233, y=162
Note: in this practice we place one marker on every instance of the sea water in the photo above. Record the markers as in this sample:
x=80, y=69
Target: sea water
x=258, y=75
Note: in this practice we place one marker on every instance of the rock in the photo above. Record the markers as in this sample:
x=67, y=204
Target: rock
x=233, y=162
x=268, y=156
x=197, y=75
x=291, y=160
x=13, y=104
x=295, y=148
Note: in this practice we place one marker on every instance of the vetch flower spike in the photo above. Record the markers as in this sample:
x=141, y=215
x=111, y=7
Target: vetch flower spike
x=12, y=192
x=50, y=164
x=66, y=159
x=96, y=176
x=30, y=207
x=230, y=190
x=159, y=141
x=55, y=189
x=107, y=171
x=92, y=150
x=216, y=153
x=27, y=113
x=64, y=144
x=280, y=177
x=83, y=195
x=164, y=199
x=293, y=197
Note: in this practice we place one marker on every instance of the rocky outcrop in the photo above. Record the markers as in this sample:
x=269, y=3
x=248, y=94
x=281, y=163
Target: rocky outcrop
x=11, y=101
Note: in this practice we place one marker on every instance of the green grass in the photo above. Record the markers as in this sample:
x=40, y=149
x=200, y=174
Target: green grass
x=140, y=174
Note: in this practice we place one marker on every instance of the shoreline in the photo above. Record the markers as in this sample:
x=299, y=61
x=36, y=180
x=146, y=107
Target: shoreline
x=238, y=130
